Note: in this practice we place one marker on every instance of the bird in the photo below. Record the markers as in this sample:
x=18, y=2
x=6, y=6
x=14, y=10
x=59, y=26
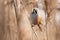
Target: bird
x=36, y=18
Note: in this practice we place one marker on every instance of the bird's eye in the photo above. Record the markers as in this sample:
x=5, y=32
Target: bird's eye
x=34, y=11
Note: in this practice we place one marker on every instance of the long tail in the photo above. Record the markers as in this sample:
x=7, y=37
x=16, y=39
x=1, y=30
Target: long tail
x=40, y=27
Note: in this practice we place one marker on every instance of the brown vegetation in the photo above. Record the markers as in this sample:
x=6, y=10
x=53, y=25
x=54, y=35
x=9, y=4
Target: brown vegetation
x=16, y=21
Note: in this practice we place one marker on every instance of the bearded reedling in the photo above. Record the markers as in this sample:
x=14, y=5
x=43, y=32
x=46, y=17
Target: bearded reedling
x=36, y=17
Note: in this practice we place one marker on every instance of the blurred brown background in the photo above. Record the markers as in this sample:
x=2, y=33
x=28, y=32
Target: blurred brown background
x=15, y=25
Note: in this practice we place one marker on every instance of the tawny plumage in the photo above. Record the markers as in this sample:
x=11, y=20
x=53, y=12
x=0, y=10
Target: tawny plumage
x=36, y=17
